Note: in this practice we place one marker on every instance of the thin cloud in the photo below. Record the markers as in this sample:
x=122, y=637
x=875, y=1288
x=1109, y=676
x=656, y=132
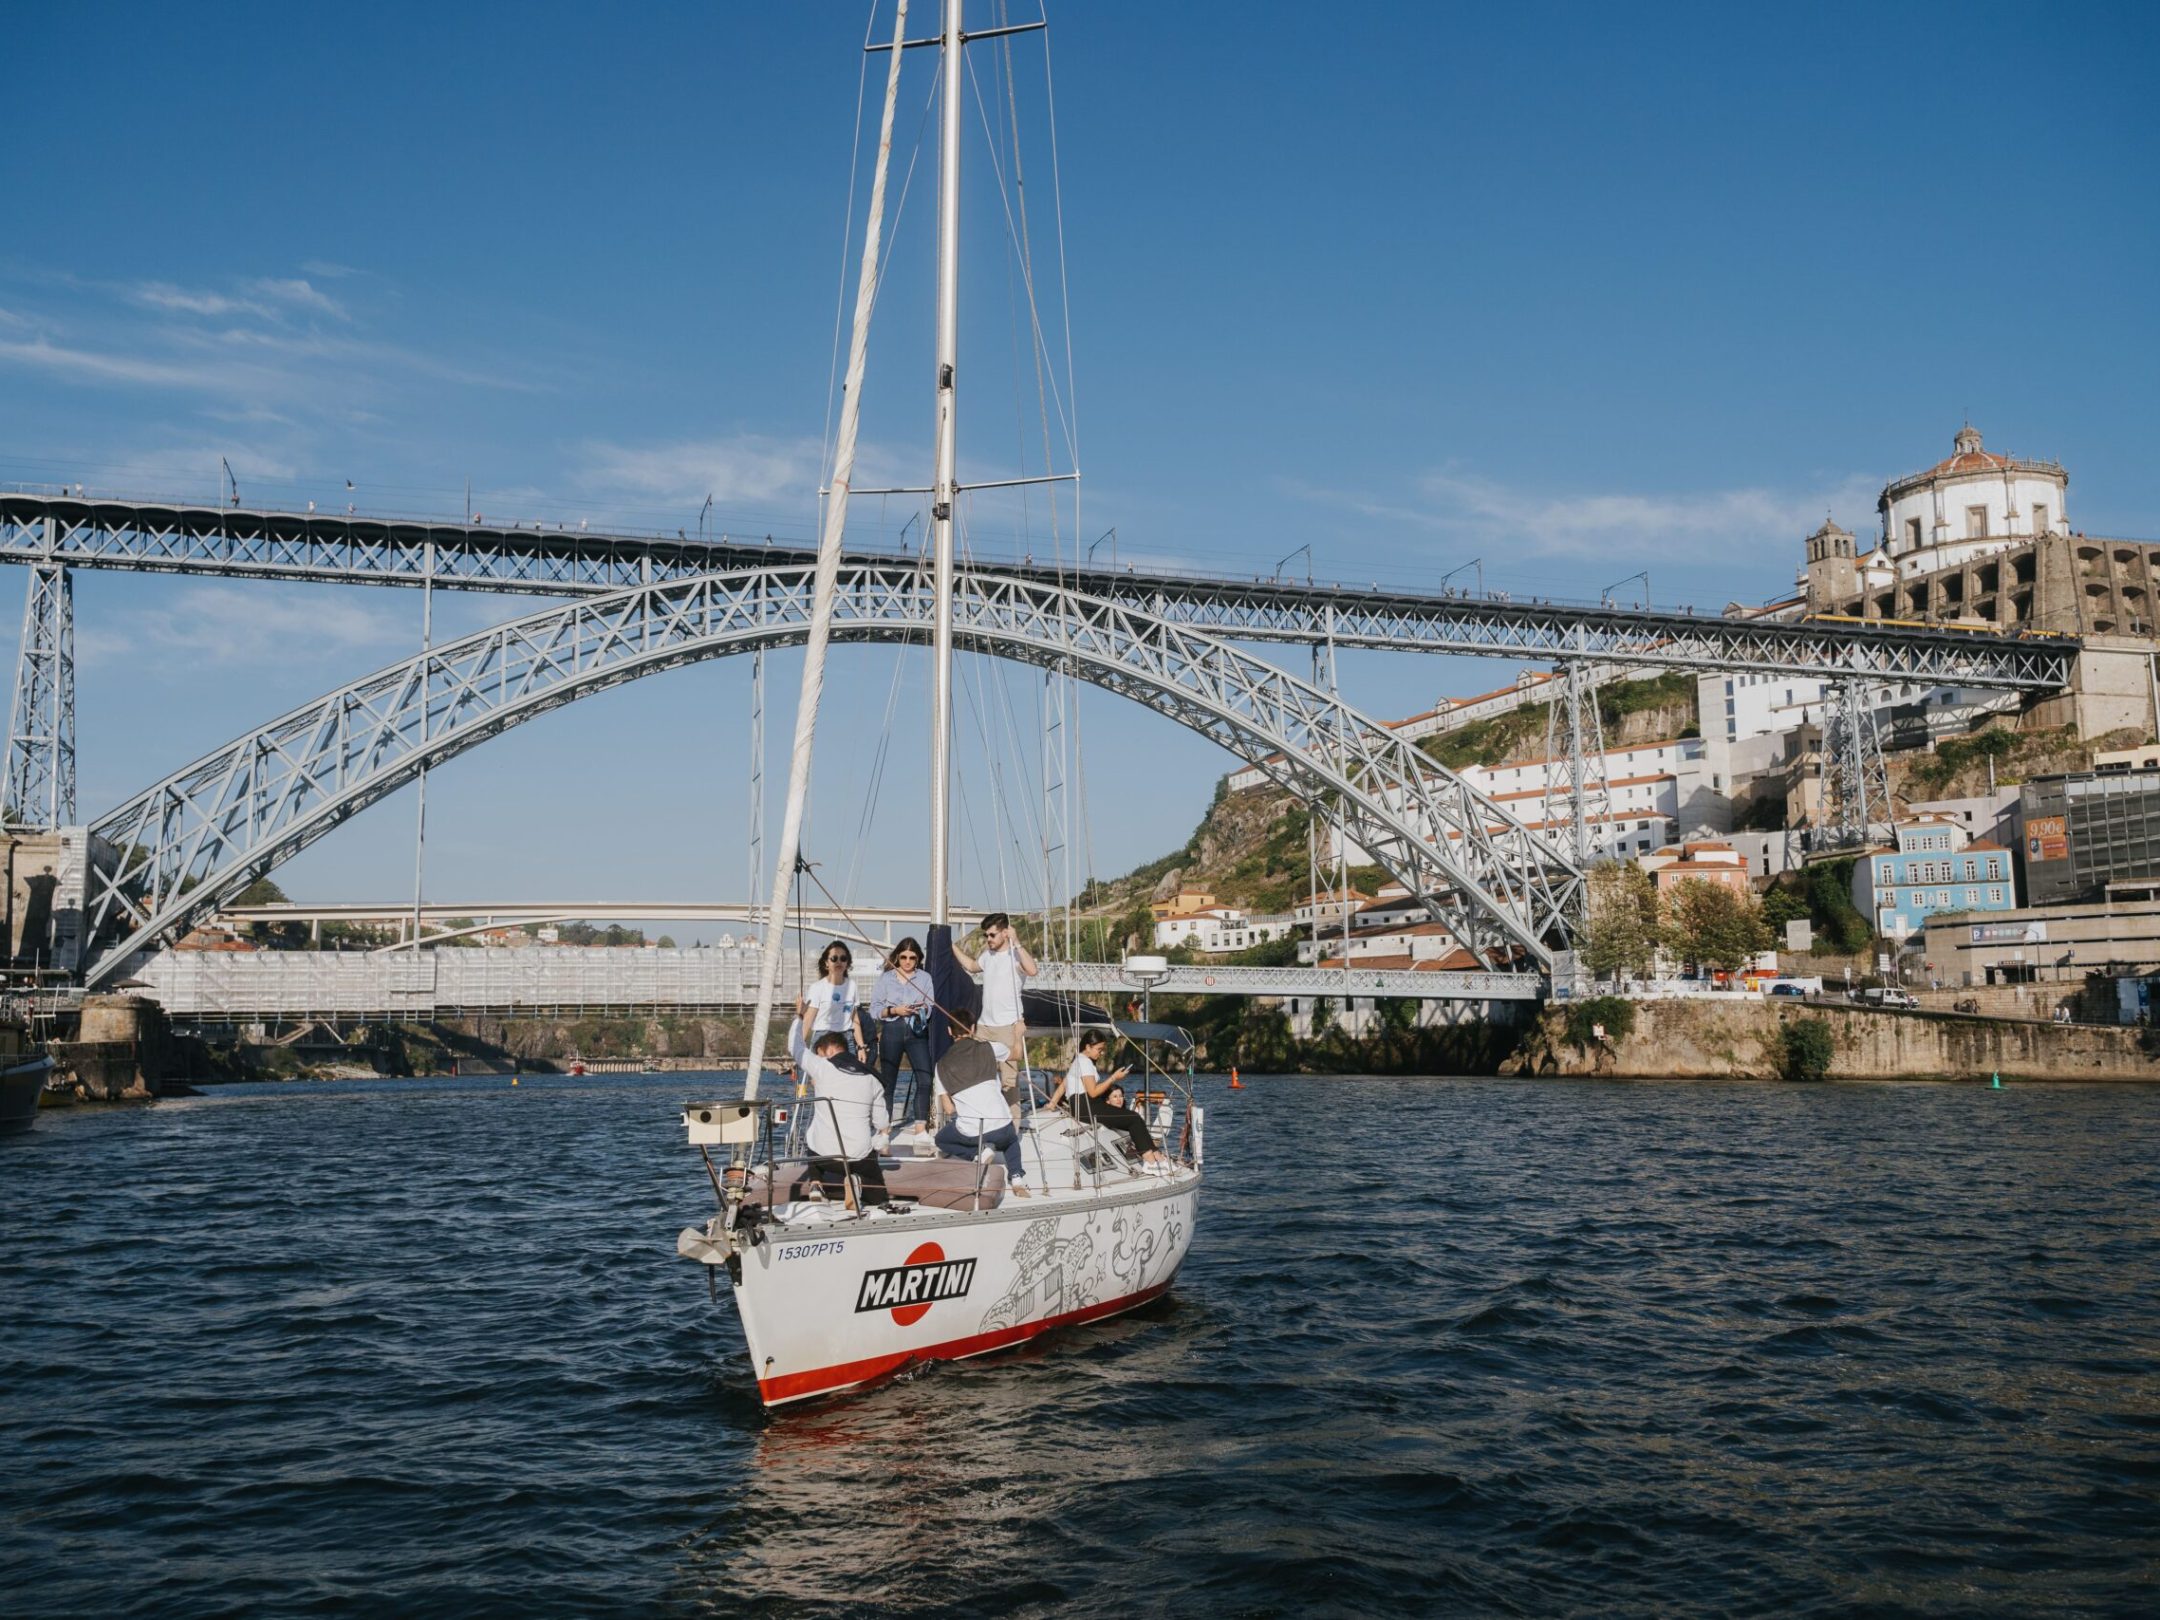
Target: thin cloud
x=267, y=298
x=89, y=365
x=1693, y=525
x=163, y=295
x=746, y=467
x=300, y=295
x=246, y=624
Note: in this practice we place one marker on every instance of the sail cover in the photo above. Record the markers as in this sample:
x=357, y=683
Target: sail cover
x=951, y=986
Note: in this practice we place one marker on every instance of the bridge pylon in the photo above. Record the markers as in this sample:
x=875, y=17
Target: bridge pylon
x=1860, y=808
x=40, y=786
x=1578, y=803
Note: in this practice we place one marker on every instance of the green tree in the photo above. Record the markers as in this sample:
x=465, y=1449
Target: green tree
x=1620, y=935
x=1713, y=926
x=667, y=942
x=1805, y=1049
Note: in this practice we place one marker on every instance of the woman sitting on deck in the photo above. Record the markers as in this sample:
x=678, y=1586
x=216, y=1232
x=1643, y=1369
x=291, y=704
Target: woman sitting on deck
x=1085, y=1092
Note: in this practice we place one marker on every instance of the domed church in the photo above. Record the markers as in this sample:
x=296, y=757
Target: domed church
x=1984, y=539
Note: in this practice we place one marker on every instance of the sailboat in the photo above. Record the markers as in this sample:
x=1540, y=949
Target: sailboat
x=835, y=1294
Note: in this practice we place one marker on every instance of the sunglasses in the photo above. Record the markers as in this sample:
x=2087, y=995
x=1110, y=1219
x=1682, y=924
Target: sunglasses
x=907, y=956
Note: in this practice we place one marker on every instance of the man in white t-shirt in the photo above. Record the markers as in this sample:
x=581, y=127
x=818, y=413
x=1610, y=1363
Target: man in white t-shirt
x=970, y=1092
x=1003, y=964
x=848, y=1115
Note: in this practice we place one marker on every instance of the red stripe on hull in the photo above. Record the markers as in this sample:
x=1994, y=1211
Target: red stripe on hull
x=826, y=1380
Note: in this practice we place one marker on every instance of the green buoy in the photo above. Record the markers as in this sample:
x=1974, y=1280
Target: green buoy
x=1996, y=1083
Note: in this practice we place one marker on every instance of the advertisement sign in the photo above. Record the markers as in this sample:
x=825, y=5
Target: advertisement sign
x=2047, y=838
x=2015, y=933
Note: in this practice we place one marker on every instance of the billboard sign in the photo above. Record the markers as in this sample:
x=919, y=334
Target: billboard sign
x=2047, y=838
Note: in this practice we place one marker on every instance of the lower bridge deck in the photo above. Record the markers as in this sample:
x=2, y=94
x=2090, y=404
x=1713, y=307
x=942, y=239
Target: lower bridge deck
x=578, y=980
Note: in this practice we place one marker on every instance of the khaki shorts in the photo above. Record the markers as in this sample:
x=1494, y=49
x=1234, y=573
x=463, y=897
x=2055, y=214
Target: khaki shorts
x=1013, y=1037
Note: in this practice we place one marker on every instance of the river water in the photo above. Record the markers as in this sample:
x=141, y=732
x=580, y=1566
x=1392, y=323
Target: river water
x=1458, y=1347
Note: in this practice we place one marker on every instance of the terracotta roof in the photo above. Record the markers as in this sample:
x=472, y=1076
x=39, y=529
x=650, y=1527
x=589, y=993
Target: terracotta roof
x=1456, y=961
x=1536, y=677
x=1969, y=461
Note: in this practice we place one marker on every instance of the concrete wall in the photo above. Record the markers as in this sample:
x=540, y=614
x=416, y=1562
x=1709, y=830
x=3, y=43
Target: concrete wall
x=1736, y=1040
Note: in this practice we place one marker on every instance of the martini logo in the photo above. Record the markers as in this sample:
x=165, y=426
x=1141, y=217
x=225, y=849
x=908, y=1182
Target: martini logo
x=909, y=1291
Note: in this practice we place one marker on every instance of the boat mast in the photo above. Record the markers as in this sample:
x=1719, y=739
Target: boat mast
x=825, y=579
x=944, y=482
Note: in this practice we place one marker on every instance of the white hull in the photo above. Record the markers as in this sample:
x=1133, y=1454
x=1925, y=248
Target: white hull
x=812, y=1302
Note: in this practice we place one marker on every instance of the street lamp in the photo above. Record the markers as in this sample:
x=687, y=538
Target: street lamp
x=1605, y=596
x=1307, y=549
x=1475, y=562
x=1109, y=534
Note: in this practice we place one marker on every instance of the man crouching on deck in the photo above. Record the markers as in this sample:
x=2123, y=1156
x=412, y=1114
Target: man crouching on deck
x=847, y=1114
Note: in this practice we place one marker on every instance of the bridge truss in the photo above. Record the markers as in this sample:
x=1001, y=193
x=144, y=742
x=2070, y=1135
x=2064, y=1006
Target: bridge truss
x=189, y=843
x=352, y=550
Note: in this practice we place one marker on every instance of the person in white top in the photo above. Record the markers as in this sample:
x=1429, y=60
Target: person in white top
x=1085, y=1092
x=830, y=1003
x=848, y=1118
x=971, y=1103
x=1003, y=964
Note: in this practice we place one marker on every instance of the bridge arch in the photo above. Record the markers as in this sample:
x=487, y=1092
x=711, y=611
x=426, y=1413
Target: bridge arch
x=187, y=844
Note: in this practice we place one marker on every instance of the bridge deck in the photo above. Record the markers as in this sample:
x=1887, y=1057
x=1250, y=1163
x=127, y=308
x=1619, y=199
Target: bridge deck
x=450, y=982
x=363, y=550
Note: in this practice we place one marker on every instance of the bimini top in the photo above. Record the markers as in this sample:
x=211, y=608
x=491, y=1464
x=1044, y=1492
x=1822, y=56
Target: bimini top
x=1051, y=1014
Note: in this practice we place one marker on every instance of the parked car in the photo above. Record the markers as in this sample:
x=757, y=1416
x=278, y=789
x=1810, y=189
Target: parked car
x=1788, y=990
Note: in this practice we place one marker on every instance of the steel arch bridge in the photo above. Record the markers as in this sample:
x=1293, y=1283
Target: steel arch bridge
x=191, y=842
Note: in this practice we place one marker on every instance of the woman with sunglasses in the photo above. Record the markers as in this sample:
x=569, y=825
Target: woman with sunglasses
x=900, y=1006
x=830, y=1004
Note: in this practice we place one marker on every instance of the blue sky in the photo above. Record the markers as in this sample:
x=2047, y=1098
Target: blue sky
x=1576, y=291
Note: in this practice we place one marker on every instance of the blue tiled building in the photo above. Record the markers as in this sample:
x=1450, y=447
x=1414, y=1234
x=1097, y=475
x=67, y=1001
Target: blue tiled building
x=1936, y=868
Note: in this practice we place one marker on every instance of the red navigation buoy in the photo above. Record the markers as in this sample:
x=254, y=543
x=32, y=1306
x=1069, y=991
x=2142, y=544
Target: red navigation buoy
x=1235, y=1083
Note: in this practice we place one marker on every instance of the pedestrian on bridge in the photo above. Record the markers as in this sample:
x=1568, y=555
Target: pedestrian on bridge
x=900, y=1006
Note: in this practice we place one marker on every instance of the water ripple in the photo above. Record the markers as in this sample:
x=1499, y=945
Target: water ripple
x=1442, y=1347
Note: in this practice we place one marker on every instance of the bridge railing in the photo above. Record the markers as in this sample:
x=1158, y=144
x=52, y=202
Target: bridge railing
x=401, y=985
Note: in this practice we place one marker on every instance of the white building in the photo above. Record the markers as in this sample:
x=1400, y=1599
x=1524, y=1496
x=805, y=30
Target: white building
x=1452, y=714
x=1971, y=505
x=1194, y=920
x=1652, y=791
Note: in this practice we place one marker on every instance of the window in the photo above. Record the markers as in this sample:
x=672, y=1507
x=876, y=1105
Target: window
x=1972, y=868
x=1976, y=523
x=1887, y=869
x=1972, y=897
x=2040, y=519
x=1912, y=532
x=1995, y=896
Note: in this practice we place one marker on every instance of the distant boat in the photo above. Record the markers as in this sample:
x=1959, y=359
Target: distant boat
x=24, y=1068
